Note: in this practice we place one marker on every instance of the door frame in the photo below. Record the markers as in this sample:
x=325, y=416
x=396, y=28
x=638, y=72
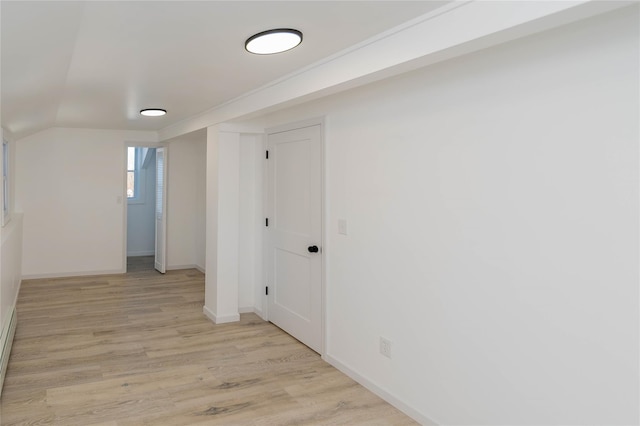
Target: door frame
x=123, y=197
x=315, y=121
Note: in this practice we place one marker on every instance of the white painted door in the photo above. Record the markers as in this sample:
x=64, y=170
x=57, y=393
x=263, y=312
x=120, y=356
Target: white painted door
x=161, y=209
x=294, y=251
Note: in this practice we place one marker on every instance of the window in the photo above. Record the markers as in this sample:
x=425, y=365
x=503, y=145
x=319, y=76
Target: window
x=6, y=207
x=133, y=184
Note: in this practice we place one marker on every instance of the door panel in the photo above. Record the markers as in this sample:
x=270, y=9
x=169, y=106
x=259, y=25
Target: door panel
x=161, y=208
x=295, y=223
x=289, y=294
x=292, y=186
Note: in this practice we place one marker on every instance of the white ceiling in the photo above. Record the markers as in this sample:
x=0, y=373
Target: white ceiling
x=96, y=64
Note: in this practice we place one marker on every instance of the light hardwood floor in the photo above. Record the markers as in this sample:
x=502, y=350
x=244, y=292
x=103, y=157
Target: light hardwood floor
x=136, y=349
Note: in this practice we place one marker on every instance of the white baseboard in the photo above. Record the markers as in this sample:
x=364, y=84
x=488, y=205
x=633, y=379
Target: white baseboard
x=179, y=267
x=387, y=396
x=92, y=273
x=141, y=253
x=73, y=274
x=220, y=319
x=6, y=341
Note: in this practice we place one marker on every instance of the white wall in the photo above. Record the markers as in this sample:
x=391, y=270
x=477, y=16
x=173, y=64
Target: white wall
x=211, y=296
x=251, y=223
x=185, y=169
x=70, y=186
x=492, y=213
x=10, y=267
x=141, y=224
x=10, y=263
x=10, y=251
x=235, y=223
x=201, y=203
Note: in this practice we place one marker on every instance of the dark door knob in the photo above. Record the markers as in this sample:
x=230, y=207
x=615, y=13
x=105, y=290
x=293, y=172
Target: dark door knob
x=313, y=249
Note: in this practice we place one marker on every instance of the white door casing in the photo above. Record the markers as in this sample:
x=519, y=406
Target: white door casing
x=294, y=270
x=161, y=210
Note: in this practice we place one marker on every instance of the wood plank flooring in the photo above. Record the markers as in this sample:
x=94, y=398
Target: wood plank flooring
x=140, y=263
x=135, y=349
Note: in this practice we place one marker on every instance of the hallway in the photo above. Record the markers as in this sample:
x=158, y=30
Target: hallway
x=136, y=349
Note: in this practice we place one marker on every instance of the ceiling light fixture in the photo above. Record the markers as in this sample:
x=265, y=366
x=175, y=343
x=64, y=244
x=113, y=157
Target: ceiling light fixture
x=273, y=41
x=153, y=112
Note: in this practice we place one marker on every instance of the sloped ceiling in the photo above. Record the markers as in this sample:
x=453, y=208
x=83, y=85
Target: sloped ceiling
x=95, y=64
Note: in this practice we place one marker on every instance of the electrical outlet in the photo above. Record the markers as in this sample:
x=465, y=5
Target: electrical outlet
x=385, y=347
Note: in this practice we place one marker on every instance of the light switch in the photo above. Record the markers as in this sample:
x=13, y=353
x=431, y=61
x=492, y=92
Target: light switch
x=342, y=226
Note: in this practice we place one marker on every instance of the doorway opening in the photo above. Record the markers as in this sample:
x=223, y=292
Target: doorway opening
x=145, y=195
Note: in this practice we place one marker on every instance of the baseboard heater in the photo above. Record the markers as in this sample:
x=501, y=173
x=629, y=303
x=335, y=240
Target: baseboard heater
x=6, y=341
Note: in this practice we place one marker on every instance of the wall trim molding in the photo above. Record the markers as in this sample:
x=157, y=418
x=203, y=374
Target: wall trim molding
x=455, y=29
x=301, y=124
x=74, y=274
x=180, y=267
x=141, y=253
x=220, y=319
x=97, y=273
x=381, y=392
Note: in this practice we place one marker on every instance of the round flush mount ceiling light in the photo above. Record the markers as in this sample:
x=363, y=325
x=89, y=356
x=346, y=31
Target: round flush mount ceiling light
x=153, y=112
x=273, y=41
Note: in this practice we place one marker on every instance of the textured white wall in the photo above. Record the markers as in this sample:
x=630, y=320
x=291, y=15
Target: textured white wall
x=70, y=184
x=236, y=214
x=492, y=213
x=10, y=270
x=184, y=167
x=10, y=250
x=201, y=202
x=251, y=222
x=11, y=264
x=222, y=227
